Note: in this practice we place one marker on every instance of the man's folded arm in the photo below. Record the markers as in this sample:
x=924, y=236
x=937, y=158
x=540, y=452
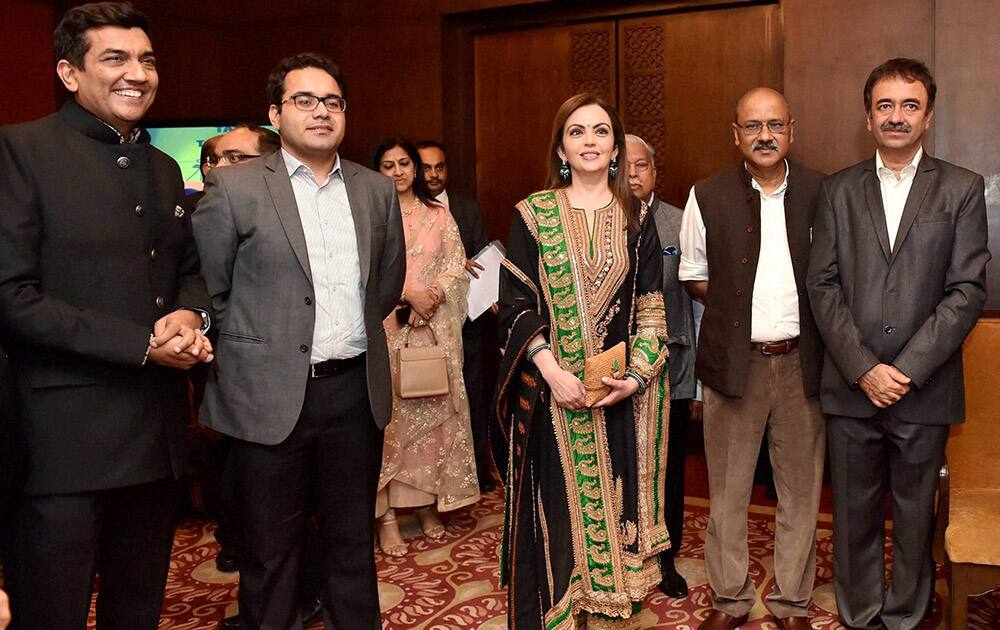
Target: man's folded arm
x=217, y=242
x=941, y=335
x=836, y=324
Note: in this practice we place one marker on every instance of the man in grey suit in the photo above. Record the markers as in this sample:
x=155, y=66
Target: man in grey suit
x=304, y=258
x=896, y=280
x=641, y=160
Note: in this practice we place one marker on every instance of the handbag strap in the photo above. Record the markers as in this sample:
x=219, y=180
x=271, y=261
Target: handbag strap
x=406, y=333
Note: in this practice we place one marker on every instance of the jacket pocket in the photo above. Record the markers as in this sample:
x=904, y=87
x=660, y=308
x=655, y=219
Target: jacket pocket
x=239, y=337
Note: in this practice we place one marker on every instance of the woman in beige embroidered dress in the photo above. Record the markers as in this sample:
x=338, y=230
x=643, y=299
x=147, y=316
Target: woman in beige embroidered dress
x=428, y=461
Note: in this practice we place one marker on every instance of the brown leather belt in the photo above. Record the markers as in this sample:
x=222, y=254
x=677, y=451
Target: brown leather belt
x=335, y=366
x=769, y=348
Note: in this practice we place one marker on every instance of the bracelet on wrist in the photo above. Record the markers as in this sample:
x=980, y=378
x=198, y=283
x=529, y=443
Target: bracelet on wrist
x=145, y=357
x=537, y=349
x=638, y=379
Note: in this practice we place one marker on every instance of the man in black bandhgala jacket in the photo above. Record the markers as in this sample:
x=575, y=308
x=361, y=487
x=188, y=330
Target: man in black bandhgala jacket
x=102, y=308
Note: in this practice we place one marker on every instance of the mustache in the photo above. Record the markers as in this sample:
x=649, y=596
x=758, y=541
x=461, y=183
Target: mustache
x=759, y=145
x=634, y=181
x=900, y=126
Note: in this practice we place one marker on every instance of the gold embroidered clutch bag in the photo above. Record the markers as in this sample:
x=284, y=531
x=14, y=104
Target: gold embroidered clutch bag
x=610, y=363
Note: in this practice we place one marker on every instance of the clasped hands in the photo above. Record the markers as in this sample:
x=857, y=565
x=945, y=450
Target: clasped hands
x=884, y=385
x=177, y=341
x=569, y=392
x=424, y=302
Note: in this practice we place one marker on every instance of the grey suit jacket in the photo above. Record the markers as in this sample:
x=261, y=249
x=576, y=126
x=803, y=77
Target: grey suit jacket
x=257, y=269
x=680, y=316
x=910, y=306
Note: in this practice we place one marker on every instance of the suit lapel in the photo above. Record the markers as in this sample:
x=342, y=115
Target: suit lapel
x=362, y=213
x=280, y=188
x=873, y=195
x=925, y=176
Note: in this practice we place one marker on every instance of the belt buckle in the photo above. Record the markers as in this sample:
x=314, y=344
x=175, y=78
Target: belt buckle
x=765, y=352
x=312, y=370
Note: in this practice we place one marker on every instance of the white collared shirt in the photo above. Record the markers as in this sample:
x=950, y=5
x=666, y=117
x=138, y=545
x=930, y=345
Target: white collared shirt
x=332, y=246
x=895, y=191
x=443, y=198
x=774, y=311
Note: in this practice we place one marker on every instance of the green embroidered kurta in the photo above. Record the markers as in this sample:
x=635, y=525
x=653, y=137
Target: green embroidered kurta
x=584, y=517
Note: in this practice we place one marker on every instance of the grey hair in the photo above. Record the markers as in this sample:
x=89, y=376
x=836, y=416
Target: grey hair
x=646, y=145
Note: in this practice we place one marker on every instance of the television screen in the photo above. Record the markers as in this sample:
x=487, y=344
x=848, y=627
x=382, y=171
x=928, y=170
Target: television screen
x=183, y=143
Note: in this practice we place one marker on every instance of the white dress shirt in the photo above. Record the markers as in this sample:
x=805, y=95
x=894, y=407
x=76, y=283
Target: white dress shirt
x=774, y=311
x=443, y=198
x=895, y=191
x=332, y=246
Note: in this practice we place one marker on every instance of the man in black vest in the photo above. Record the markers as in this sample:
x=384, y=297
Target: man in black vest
x=101, y=311
x=745, y=240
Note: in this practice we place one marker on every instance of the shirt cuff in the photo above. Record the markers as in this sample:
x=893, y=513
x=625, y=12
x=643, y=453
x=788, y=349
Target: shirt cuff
x=689, y=271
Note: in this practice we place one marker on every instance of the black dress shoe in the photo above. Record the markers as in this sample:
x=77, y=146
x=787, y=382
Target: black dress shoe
x=673, y=583
x=230, y=623
x=226, y=564
x=311, y=611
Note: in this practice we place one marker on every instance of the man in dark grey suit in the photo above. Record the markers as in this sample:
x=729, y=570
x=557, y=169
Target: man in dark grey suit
x=304, y=258
x=641, y=160
x=896, y=280
x=476, y=345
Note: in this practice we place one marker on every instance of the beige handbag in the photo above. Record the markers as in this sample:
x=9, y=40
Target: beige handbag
x=422, y=372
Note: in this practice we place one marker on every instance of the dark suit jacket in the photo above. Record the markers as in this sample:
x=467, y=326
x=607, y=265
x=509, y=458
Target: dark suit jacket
x=680, y=315
x=256, y=265
x=93, y=250
x=11, y=449
x=469, y=218
x=910, y=306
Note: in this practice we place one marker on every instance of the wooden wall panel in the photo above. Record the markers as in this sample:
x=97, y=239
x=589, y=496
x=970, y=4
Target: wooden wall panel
x=522, y=77
x=27, y=73
x=967, y=124
x=830, y=48
x=681, y=77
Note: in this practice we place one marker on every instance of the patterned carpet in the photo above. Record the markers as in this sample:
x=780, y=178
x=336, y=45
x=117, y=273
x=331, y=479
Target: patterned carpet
x=452, y=584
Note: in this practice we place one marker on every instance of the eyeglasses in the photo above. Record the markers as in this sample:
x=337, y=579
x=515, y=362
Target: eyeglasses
x=232, y=156
x=309, y=102
x=754, y=127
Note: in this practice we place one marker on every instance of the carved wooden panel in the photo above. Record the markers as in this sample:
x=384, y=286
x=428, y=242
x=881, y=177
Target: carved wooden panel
x=521, y=79
x=643, y=48
x=593, y=60
x=680, y=77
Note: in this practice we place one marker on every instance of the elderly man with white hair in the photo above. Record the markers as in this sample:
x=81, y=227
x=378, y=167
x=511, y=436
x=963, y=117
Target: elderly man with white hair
x=642, y=181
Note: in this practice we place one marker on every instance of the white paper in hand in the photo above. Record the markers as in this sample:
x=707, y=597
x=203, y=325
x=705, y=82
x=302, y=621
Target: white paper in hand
x=484, y=291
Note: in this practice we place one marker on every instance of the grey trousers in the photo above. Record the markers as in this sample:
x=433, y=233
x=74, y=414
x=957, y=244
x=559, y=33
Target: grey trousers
x=734, y=427
x=869, y=456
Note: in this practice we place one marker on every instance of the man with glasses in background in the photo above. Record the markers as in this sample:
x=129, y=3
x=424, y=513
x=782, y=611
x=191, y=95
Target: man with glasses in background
x=745, y=239
x=304, y=257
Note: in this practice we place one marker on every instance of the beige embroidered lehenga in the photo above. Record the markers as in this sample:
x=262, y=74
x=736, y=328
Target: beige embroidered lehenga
x=428, y=457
